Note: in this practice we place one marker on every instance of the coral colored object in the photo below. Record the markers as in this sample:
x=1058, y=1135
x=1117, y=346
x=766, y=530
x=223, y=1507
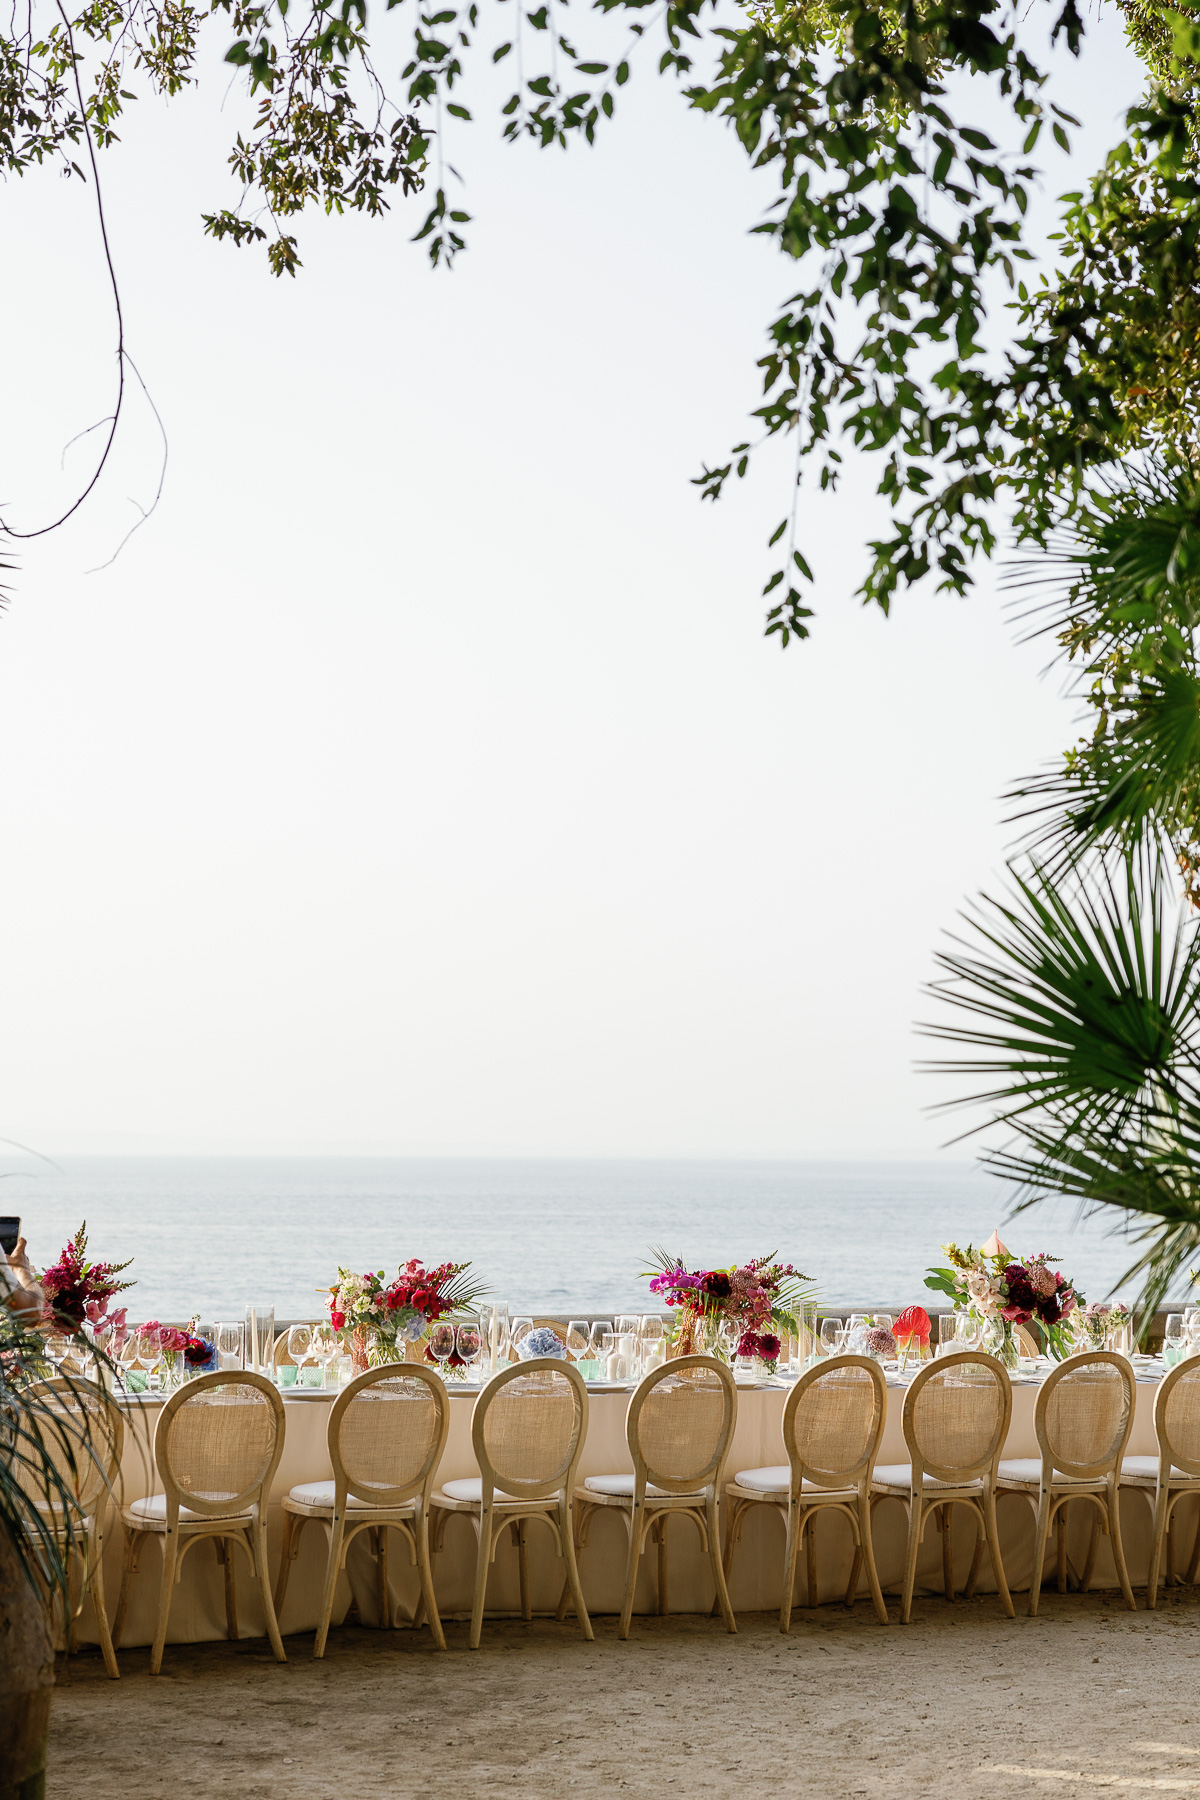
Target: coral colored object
x=914, y=1321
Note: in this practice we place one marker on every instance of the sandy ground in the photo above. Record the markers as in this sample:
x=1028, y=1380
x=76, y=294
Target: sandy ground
x=961, y=1703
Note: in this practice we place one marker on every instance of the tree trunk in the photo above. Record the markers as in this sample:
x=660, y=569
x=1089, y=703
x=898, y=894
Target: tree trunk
x=26, y=1681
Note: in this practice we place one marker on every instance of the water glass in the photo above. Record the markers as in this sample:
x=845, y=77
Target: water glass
x=324, y=1348
x=260, y=1338
x=833, y=1334
x=807, y=1346
x=299, y=1344
x=1119, y=1337
x=149, y=1350
x=579, y=1336
x=231, y=1344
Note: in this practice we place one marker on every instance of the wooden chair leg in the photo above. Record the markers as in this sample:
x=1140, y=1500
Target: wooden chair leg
x=1041, y=1538
x=810, y=1559
x=1160, y=1525
x=425, y=1568
x=258, y=1549
x=170, y=1560
x=337, y=1537
x=96, y=1585
x=992, y=1531
x=129, y=1568
x=664, y=1606
x=1061, y=1549
x=866, y=1549
x=1089, y=1563
x=224, y=1550
x=565, y=1526
x=481, y=1574
x=1172, y=1573
x=523, y=1567
x=916, y=1511
x=382, y=1588
x=637, y=1525
x=293, y=1525
x=791, y=1554
x=945, y=1521
x=1118, y=1549
x=976, y=1556
x=714, y=1557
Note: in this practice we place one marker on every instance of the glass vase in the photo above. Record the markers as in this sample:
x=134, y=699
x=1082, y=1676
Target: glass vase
x=1000, y=1341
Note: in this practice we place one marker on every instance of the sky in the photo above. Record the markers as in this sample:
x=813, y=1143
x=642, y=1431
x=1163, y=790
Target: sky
x=418, y=779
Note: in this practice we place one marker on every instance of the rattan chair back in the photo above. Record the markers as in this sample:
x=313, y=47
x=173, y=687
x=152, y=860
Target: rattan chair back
x=680, y=1424
x=218, y=1442
x=956, y=1416
x=833, y=1422
x=82, y=1434
x=387, y=1432
x=1177, y=1416
x=528, y=1427
x=1084, y=1414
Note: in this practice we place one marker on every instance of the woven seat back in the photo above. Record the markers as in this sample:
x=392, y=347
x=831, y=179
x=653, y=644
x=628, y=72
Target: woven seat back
x=1177, y=1415
x=1084, y=1413
x=956, y=1415
x=387, y=1432
x=81, y=1434
x=834, y=1420
x=680, y=1422
x=219, y=1440
x=528, y=1426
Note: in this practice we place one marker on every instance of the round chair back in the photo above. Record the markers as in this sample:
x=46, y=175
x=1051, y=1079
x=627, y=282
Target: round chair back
x=218, y=1442
x=680, y=1424
x=528, y=1427
x=82, y=1432
x=1177, y=1416
x=1084, y=1413
x=956, y=1416
x=833, y=1422
x=387, y=1432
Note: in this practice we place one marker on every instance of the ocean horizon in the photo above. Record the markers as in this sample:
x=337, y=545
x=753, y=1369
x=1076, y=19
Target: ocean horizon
x=207, y=1234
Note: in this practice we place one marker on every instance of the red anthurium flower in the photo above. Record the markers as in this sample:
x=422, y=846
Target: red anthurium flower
x=914, y=1322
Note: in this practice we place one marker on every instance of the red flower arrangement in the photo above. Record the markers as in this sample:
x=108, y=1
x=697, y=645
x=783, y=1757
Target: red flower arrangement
x=77, y=1289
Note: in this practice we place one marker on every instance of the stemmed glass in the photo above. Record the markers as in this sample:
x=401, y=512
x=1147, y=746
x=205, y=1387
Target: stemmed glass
x=601, y=1328
x=833, y=1336
x=1173, y=1340
x=127, y=1358
x=441, y=1342
x=299, y=1344
x=468, y=1341
x=324, y=1347
x=1191, y=1331
x=149, y=1350
x=579, y=1336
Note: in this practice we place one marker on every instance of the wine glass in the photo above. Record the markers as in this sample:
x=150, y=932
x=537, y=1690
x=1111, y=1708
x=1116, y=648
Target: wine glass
x=833, y=1335
x=1173, y=1340
x=468, y=1341
x=127, y=1357
x=579, y=1336
x=324, y=1347
x=149, y=1350
x=441, y=1343
x=601, y=1328
x=299, y=1345
x=519, y=1330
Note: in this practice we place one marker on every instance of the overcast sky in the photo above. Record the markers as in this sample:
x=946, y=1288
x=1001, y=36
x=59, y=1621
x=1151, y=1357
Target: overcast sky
x=418, y=779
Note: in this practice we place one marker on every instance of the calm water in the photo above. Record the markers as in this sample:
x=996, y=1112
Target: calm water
x=208, y=1234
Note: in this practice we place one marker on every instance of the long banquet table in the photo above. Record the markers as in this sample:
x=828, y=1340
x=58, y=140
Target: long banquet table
x=197, y=1612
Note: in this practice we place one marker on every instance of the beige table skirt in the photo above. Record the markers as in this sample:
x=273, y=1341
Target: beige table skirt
x=197, y=1612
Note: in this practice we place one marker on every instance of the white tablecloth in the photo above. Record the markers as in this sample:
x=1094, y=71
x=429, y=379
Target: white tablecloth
x=197, y=1612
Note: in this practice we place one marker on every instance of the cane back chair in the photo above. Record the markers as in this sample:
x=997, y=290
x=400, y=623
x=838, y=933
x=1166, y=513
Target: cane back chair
x=1083, y=1417
x=832, y=1426
x=527, y=1431
x=1175, y=1471
x=679, y=1427
x=217, y=1446
x=387, y=1432
x=956, y=1418
x=82, y=1432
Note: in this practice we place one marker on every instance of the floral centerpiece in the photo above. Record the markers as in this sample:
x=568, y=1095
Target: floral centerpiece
x=745, y=1306
x=1002, y=1291
x=912, y=1330
x=78, y=1290
x=377, y=1318
x=1093, y=1323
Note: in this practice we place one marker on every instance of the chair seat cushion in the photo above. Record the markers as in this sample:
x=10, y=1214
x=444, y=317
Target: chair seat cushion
x=1026, y=1471
x=899, y=1475
x=620, y=1487
x=151, y=1514
x=319, y=1495
x=470, y=1489
x=1144, y=1470
x=777, y=1482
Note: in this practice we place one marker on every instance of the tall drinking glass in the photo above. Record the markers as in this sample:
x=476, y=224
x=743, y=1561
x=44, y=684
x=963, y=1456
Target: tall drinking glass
x=948, y=1333
x=260, y=1338
x=1173, y=1340
x=653, y=1342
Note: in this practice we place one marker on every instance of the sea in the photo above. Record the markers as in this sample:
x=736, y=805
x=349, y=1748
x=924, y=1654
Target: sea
x=209, y=1235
